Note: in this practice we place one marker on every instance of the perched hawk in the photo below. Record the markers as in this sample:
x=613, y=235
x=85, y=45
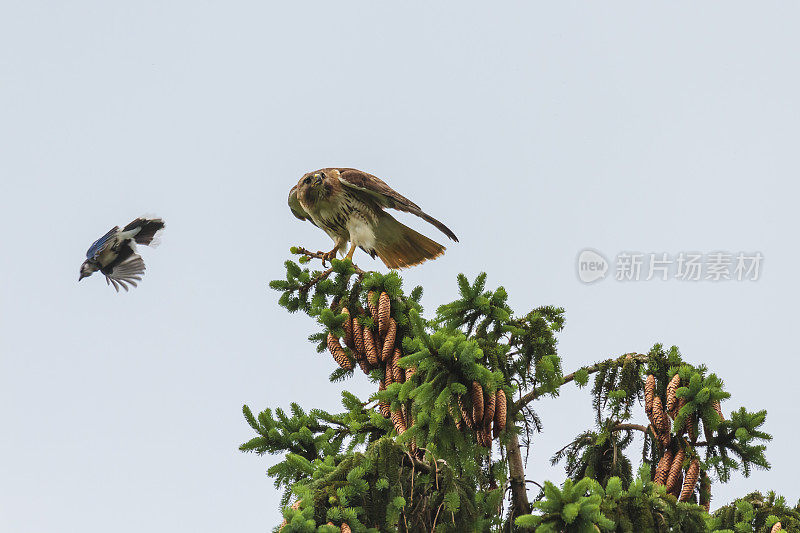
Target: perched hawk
x=114, y=254
x=348, y=205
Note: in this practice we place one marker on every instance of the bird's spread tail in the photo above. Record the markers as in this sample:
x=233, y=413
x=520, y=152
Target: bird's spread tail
x=148, y=228
x=399, y=246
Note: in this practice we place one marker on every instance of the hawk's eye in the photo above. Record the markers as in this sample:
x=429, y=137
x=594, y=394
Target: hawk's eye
x=307, y=180
x=322, y=175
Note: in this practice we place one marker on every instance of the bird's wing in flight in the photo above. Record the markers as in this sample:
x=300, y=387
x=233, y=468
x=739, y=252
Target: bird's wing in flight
x=297, y=209
x=98, y=245
x=385, y=196
x=126, y=269
x=127, y=272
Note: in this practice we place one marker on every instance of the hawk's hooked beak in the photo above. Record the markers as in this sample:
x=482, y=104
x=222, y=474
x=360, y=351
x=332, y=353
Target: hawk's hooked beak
x=83, y=276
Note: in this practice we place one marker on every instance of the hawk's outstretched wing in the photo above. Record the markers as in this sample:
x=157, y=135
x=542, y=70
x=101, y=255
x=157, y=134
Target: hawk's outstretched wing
x=384, y=195
x=297, y=209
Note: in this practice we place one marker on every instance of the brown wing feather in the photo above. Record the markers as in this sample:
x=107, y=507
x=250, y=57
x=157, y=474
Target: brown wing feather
x=386, y=196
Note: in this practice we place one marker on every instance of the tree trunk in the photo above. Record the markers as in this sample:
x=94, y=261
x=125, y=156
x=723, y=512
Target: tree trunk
x=519, y=494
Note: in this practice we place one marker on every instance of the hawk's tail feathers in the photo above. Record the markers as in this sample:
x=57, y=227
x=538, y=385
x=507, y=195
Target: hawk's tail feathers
x=399, y=246
x=148, y=230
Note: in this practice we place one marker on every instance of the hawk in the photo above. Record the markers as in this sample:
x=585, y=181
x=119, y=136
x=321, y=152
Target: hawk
x=348, y=205
x=114, y=254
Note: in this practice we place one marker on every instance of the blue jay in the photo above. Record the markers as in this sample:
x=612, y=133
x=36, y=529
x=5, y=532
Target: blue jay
x=114, y=254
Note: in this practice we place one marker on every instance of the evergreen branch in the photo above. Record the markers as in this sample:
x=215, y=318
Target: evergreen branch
x=537, y=392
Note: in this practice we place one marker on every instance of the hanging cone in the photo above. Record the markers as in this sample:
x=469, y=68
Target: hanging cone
x=690, y=481
x=672, y=400
x=500, y=410
x=484, y=438
x=384, y=312
x=388, y=375
x=338, y=353
x=776, y=528
x=358, y=338
x=384, y=406
x=662, y=469
x=348, y=330
x=659, y=418
x=718, y=409
x=373, y=306
x=345, y=529
x=410, y=371
x=691, y=427
x=465, y=416
x=362, y=363
x=388, y=343
x=477, y=402
x=369, y=347
x=488, y=410
x=397, y=371
x=675, y=471
x=649, y=394
x=399, y=422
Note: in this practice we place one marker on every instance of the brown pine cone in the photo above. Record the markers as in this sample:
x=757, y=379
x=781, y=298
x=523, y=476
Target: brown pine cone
x=659, y=418
x=348, y=330
x=649, y=394
x=410, y=371
x=385, y=409
x=690, y=481
x=384, y=312
x=718, y=409
x=397, y=371
x=373, y=306
x=664, y=439
x=484, y=438
x=345, y=528
x=488, y=410
x=691, y=427
x=362, y=363
x=338, y=353
x=662, y=469
x=388, y=343
x=358, y=338
x=369, y=347
x=465, y=416
x=500, y=410
x=477, y=402
x=675, y=471
x=777, y=527
x=672, y=400
x=399, y=422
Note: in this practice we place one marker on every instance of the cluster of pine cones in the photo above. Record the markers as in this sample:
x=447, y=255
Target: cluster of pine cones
x=373, y=350
x=487, y=417
x=669, y=471
x=382, y=350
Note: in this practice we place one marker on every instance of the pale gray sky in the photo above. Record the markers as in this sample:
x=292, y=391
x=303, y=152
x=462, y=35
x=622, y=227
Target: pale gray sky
x=533, y=130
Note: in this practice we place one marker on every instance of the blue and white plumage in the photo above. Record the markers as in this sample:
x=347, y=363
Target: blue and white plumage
x=114, y=254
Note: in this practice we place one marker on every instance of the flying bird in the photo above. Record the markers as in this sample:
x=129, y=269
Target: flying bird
x=114, y=254
x=348, y=205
